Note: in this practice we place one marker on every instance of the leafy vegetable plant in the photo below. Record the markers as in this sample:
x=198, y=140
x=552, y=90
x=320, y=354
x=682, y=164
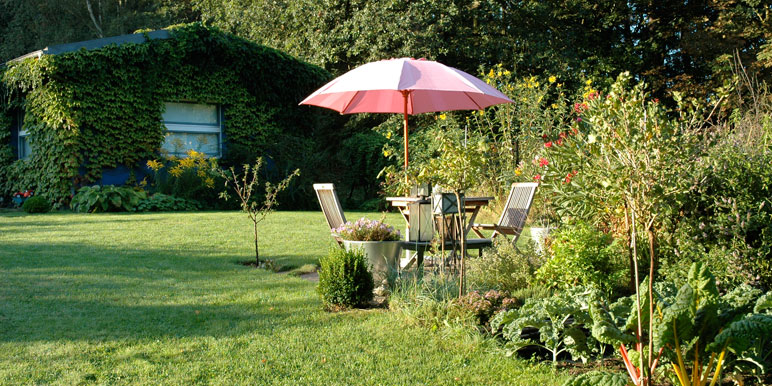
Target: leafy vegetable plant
x=107, y=198
x=559, y=320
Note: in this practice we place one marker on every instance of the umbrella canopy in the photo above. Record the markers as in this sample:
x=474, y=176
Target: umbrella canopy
x=407, y=86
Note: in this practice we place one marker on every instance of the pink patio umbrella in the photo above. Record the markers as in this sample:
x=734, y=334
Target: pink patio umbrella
x=405, y=85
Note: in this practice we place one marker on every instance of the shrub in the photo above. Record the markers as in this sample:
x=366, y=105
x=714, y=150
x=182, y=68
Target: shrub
x=582, y=255
x=36, y=204
x=727, y=220
x=503, y=267
x=189, y=177
x=484, y=306
x=160, y=202
x=107, y=198
x=344, y=279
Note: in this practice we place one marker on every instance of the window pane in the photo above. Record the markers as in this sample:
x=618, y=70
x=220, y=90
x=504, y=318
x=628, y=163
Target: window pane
x=178, y=144
x=191, y=113
x=24, y=150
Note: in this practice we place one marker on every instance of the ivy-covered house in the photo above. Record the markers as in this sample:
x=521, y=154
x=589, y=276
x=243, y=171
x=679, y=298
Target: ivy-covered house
x=95, y=111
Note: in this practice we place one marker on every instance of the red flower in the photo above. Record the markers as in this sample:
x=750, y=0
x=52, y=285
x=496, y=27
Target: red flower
x=574, y=172
x=543, y=162
x=537, y=177
x=544, y=136
x=548, y=144
x=568, y=179
x=575, y=130
x=560, y=142
x=563, y=135
x=656, y=100
x=580, y=107
x=593, y=95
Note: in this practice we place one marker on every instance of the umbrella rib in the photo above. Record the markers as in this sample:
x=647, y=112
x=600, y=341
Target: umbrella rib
x=473, y=101
x=343, y=111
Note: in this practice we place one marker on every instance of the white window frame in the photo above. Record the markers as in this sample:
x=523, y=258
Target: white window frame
x=196, y=128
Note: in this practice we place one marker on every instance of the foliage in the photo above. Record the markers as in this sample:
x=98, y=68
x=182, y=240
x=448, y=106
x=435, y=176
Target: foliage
x=36, y=204
x=358, y=161
x=70, y=21
x=106, y=198
x=559, y=320
x=727, y=220
x=159, y=202
x=512, y=129
x=189, y=178
x=89, y=110
x=427, y=301
x=694, y=328
x=244, y=186
x=681, y=46
x=582, y=255
x=457, y=168
x=598, y=378
x=367, y=230
x=484, y=306
x=344, y=279
x=503, y=267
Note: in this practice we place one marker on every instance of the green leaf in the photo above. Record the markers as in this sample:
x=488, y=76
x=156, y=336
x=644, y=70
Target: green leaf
x=743, y=333
x=599, y=378
x=764, y=304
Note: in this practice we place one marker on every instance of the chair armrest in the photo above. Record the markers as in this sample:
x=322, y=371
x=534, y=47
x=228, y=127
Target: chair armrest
x=484, y=226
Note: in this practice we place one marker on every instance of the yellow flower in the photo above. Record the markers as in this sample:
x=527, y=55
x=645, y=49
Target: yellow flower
x=482, y=113
x=209, y=181
x=491, y=74
x=518, y=172
x=499, y=73
x=553, y=79
x=176, y=171
x=386, y=153
x=588, y=82
x=554, y=105
x=154, y=165
x=560, y=84
x=388, y=135
x=536, y=84
x=443, y=116
x=506, y=72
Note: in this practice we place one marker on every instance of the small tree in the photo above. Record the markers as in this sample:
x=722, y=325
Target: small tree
x=244, y=186
x=458, y=167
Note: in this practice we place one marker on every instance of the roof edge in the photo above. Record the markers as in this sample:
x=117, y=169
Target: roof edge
x=95, y=44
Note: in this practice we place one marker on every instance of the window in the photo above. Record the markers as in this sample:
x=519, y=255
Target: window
x=192, y=126
x=23, y=144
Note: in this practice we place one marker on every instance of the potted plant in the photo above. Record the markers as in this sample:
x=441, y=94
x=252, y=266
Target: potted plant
x=380, y=243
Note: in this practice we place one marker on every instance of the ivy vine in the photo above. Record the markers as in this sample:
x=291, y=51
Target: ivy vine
x=90, y=110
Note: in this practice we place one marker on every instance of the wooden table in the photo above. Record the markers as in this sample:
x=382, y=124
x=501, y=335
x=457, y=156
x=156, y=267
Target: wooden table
x=472, y=206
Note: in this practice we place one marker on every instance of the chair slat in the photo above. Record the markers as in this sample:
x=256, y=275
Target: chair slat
x=328, y=200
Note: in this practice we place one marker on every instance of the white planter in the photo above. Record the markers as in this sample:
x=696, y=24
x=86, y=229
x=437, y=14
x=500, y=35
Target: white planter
x=538, y=235
x=381, y=256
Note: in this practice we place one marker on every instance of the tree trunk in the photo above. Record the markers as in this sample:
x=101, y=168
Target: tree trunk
x=257, y=253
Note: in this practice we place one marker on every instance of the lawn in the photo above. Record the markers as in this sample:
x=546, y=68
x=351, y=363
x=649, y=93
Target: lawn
x=162, y=298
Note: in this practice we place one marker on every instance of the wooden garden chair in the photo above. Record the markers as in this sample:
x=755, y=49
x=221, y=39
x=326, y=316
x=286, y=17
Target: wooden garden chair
x=333, y=212
x=515, y=212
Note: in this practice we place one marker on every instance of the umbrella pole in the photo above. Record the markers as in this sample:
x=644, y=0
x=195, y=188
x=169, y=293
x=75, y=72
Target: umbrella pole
x=405, y=93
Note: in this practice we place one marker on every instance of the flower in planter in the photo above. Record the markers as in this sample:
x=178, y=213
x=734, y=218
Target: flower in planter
x=367, y=230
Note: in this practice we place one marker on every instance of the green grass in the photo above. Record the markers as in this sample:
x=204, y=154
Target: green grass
x=161, y=299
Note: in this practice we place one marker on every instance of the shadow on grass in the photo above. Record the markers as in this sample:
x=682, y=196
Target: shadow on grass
x=80, y=291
